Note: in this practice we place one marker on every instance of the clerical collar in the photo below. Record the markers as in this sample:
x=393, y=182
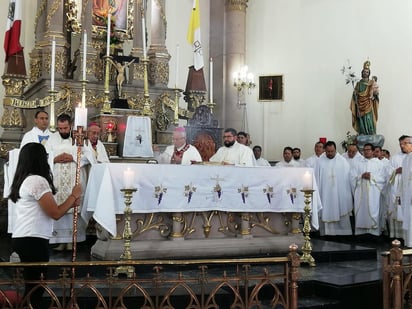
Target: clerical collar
x=180, y=148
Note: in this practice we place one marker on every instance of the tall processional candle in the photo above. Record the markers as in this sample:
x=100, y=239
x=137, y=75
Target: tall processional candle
x=307, y=181
x=128, y=178
x=80, y=117
x=211, y=79
x=84, y=54
x=144, y=38
x=109, y=17
x=177, y=66
x=53, y=64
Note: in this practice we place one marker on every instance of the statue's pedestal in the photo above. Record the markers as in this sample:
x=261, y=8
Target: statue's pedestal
x=376, y=140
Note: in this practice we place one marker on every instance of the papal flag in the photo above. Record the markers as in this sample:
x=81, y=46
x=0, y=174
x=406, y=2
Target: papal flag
x=12, y=37
x=193, y=36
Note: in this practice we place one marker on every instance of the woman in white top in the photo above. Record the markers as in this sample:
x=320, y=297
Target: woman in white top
x=32, y=190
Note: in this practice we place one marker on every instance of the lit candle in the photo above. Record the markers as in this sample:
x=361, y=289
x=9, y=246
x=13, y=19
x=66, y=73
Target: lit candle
x=144, y=38
x=84, y=54
x=80, y=117
x=128, y=178
x=211, y=79
x=53, y=64
x=109, y=18
x=177, y=66
x=307, y=181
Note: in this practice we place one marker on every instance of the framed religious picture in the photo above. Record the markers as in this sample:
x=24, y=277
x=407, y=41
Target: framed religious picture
x=121, y=21
x=271, y=88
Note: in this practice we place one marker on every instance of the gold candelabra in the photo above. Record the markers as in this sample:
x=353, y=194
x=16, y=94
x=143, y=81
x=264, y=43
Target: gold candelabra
x=307, y=245
x=147, y=102
x=127, y=235
x=106, y=109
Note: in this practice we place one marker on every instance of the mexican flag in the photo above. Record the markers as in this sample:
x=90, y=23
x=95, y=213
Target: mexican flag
x=12, y=38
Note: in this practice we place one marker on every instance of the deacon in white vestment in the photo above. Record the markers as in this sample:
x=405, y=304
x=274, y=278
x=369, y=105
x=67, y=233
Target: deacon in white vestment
x=352, y=155
x=40, y=132
x=406, y=193
x=332, y=177
x=313, y=160
x=180, y=152
x=288, y=160
x=394, y=211
x=368, y=181
x=233, y=153
x=257, y=151
x=64, y=155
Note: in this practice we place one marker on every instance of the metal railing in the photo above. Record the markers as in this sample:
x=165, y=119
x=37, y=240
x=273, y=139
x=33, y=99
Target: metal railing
x=158, y=284
x=396, y=279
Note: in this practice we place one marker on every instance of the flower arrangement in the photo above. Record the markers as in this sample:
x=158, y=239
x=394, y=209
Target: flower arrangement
x=350, y=139
x=350, y=76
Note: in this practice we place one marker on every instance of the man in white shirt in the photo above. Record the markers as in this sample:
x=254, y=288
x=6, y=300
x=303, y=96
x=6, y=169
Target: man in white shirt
x=180, y=152
x=406, y=191
x=40, y=132
x=233, y=153
x=352, y=154
x=257, y=151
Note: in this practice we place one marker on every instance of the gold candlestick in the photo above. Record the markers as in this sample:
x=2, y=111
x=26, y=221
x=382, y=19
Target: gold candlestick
x=211, y=105
x=106, y=109
x=307, y=245
x=147, y=102
x=127, y=235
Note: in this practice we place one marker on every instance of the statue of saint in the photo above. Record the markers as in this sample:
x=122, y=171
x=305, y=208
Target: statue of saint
x=365, y=102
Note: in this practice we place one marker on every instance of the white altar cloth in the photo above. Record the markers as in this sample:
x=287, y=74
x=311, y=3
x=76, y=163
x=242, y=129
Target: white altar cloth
x=178, y=188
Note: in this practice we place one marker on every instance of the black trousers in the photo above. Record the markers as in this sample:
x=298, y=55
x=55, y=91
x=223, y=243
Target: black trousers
x=32, y=249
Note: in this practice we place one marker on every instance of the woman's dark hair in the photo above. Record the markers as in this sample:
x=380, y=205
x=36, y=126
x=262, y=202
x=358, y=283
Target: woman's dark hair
x=32, y=161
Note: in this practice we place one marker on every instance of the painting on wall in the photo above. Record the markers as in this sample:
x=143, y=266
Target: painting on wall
x=121, y=21
x=271, y=88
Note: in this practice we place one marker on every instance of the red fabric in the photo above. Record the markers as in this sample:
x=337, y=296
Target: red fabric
x=12, y=36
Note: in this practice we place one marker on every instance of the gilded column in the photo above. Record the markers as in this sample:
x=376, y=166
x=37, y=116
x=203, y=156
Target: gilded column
x=235, y=49
x=158, y=54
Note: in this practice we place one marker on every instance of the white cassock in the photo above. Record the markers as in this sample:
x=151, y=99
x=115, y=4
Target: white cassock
x=191, y=154
x=262, y=162
x=367, y=195
x=393, y=204
x=406, y=198
x=35, y=135
x=237, y=154
x=92, y=156
x=291, y=163
x=332, y=177
x=312, y=161
x=64, y=178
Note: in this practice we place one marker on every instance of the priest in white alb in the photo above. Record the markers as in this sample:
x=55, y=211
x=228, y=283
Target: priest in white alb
x=368, y=181
x=332, y=177
x=232, y=152
x=180, y=152
x=64, y=155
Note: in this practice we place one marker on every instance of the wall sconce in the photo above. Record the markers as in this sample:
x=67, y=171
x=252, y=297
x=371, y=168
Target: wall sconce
x=243, y=80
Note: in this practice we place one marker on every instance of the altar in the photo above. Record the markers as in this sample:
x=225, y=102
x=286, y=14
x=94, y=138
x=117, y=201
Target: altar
x=198, y=204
